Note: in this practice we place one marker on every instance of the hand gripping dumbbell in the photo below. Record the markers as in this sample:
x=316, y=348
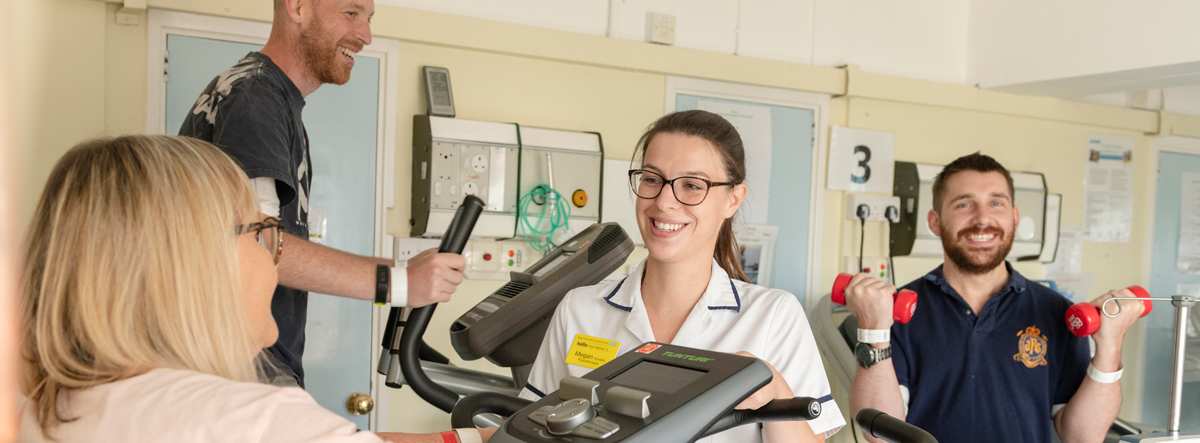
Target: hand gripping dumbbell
x=904, y=303
x=1083, y=319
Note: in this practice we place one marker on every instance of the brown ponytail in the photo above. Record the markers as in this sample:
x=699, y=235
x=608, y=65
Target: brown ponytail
x=723, y=136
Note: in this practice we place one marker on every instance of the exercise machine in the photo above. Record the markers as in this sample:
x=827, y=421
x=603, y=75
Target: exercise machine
x=507, y=326
x=1183, y=305
x=658, y=393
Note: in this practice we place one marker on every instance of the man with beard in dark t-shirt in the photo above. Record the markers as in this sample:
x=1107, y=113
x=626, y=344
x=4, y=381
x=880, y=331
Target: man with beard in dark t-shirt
x=252, y=111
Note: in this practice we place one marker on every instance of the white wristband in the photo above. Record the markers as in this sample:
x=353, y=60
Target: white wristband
x=1104, y=377
x=874, y=335
x=469, y=435
x=399, y=287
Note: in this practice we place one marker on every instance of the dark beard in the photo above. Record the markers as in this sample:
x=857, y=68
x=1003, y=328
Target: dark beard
x=962, y=259
x=322, y=60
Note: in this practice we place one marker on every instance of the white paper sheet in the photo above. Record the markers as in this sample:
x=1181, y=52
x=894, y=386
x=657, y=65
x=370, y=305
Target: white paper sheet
x=1069, y=259
x=753, y=123
x=861, y=160
x=1189, y=225
x=317, y=226
x=1076, y=286
x=757, y=245
x=1108, y=188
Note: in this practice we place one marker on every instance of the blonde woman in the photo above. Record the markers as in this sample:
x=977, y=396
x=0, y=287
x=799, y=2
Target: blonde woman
x=145, y=299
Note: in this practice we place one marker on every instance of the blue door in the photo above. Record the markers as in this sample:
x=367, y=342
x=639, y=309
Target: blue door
x=342, y=123
x=1164, y=282
x=788, y=202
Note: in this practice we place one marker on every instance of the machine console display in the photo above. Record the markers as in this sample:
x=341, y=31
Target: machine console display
x=648, y=395
x=651, y=376
x=507, y=327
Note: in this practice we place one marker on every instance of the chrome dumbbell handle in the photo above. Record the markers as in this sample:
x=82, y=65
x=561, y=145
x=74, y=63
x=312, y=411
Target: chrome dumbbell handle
x=1104, y=306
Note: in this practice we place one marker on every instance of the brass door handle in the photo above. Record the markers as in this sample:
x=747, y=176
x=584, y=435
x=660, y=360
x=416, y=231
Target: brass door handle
x=360, y=404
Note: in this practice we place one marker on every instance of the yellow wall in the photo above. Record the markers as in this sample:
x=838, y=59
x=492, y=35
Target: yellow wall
x=82, y=75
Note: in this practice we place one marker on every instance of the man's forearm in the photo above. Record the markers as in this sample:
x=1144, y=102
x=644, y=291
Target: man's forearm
x=1091, y=411
x=876, y=388
x=312, y=267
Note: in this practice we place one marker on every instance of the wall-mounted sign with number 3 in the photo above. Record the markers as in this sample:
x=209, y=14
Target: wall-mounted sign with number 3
x=860, y=160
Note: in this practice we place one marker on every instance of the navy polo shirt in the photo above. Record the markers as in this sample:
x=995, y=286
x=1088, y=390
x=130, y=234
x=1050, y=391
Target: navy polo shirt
x=991, y=375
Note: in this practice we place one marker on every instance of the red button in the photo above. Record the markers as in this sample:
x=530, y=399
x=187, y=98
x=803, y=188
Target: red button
x=487, y=256
x=511, y=253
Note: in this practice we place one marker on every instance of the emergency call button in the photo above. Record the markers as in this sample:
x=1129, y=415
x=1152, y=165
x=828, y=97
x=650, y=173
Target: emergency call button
x=579, y=198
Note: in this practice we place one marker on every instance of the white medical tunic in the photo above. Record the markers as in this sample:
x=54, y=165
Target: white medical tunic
x=731, y=316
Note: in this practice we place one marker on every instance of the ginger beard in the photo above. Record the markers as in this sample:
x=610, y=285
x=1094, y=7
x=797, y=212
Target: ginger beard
x=975, y=260
x=322, y=55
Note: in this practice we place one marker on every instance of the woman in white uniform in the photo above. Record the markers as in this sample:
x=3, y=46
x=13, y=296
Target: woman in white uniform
x=691, y=290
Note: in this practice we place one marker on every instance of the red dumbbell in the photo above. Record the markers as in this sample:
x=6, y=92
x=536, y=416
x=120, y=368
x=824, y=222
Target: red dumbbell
x=904, y=303
x=1083, y=319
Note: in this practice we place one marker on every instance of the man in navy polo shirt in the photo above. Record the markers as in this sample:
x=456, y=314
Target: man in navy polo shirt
x=987, y=355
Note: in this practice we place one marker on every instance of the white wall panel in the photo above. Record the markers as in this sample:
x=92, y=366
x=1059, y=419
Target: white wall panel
x=709, y=25
x=1182, y=100
x=776, y=29
x=924, y=40
x=1015, y=42
x=583, y=16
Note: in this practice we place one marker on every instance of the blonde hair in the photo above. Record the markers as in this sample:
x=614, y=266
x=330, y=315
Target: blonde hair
x=130, y=264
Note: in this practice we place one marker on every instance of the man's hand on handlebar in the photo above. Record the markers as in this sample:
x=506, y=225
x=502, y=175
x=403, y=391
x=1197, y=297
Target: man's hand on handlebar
x=870, y=301
x=778, y=388
x=433, y=277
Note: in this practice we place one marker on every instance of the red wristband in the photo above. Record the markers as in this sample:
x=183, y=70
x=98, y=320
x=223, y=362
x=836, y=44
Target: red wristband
x=449, y=437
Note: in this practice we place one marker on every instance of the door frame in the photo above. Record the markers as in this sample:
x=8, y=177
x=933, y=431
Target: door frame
x=819, y=104
x=160, y=23
x=1175, y=145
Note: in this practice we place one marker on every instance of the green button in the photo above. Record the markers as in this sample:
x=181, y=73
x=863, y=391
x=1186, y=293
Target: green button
x=510, y=262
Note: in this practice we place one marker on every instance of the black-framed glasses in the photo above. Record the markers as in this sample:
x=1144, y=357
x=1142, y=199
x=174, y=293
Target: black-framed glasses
x=690, y=191
x=269, y=234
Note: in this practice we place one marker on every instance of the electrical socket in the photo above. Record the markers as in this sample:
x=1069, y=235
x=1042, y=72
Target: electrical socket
x=877, y=267
x=877, y=204
x=404, y=248
x=662, y=28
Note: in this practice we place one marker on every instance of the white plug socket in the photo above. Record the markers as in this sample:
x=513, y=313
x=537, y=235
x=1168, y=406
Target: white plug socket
x=877, y=205
x=662, y=28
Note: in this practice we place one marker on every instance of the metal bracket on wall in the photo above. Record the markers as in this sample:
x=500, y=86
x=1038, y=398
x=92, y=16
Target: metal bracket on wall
x=131, y=12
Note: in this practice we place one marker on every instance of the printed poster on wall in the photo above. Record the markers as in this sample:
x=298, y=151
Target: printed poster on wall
x=756, y=246
x=753, y=123
x=1189, y=225
x=1108, y=188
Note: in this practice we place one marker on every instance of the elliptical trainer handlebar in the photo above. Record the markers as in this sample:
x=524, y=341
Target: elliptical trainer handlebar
x=454, y=241
x=878, y=424
x=791, y=409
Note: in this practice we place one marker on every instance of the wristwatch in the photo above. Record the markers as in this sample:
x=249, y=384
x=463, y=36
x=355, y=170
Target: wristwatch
x=868, y=355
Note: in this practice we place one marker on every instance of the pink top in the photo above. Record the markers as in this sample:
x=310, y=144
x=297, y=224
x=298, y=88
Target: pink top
x=184, y=406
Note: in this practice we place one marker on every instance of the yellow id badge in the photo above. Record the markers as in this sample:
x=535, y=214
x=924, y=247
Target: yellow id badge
x=591, y=352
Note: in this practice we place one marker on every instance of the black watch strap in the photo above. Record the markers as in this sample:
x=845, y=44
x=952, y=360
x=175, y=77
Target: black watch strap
x=383, y=276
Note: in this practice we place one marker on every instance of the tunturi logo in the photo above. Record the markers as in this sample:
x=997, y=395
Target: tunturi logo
x=686, y=357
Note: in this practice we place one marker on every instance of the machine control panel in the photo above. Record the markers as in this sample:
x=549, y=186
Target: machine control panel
x=646, y=395
x=507, y=327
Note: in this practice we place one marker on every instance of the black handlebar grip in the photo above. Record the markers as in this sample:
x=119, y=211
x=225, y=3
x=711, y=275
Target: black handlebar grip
x=880, y=425
x=459, y=231
x=790, y=409
x=465, y=411
x=453, y=241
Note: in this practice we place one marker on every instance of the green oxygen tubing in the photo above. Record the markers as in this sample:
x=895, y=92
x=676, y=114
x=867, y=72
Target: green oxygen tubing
x=555, y=210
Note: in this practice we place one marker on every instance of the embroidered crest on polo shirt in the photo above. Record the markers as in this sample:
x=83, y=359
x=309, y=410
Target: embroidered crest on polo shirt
x=1032, y=346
